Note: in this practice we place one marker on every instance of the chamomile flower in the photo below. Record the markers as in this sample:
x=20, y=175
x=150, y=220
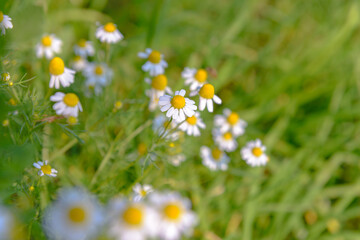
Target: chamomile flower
x=159, y=86
x=49, y=45
x=79, y=63
x=177, y=106
x=60, y=74
x=161, y=124
x=207, y=96
x=108, y=33
x=131, y=221
x=225, y=141
x=215, y=159
x=66, y=104
x=5, y=77
x=254, y=153
x=84, y=48
x=176, y=217
x=45, y=169
x=75, y=215
x=192, y=124
x=176, y=159
x=10, y=228
x=194, y=77
x=5, y=22
x=98, y=75
x=230, y=121
x=155, y=64
x=72, y=120
x=141, y=191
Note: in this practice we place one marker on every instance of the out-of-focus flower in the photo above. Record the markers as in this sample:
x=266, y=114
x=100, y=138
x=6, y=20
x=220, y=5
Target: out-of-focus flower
x=254, y=153
x=194, y=77
x=6, y=123
x=155, y=63
x=79, y=63
x=45, y=169
x=84, y=48
x=10, y=229
x=97, y=75
x=230, y=121
x=214, y=159
x=66, y=104
x=159, y=86
x=5, y=76
x=60, y=74
x=72, y=120
x=207, y=96
x=192, y=124
x=48, y=46
x=333, y=225
x=176, y=159
x=161, y=124
x=5, y=22
x=225, y=141
x=108, y=33
x=141, y=191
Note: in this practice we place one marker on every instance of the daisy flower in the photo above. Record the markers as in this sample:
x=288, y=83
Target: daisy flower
x=192, y=124
x=177, y=106
x=60, y=74
x=158, y=89
x=84, y=48
x=254, y=153
x=155, y=64
x=131, y=221
x=45, y=169
x=5, y=22
x=49, y=45
x=98, y=75
x=108, y=33
x=66, y=104
x=74, y=215
x=207, y=96
x=79, y=63
x=5, y=77
x=214, y=159
x=194, y=77
x=161, y=123
x=230, y=121
x=176, y=217
x=140, y=192
x=225, y=141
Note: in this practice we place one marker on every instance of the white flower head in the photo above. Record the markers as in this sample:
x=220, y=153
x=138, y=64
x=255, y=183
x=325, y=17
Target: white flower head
x=60, y=74
x=194, y=77
x=8, y=226
x=254, y=153
x=98, y=75
x=155, y=63
x=176, y=217
x=141, y=191
x=84, y=48
x=161, y=123
x=74, y=215
x=66, y=104
x=45, y=169
x=207, y=96
x=225, y=141
x=192, y=124
x=177, y=106
x=48, y=46
x=131, y=221
x=214, y=159
x=230, y=121
x=79, y=63
x=5, y=22
x=176, y=159
x=159, y=86
x=108, y=33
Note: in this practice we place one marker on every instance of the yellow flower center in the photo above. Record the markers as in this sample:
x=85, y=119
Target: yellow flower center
x=46, y=169
x=5, y=123
x=77, y=215
x=207, y=91
x=1, y=16
x=57, y=66
x=98, y=70
x=46, y=41
x=191, y=120
x=159, y=82
x=142, y=149
x=143, y=193
x=216, y=154
x=118, y=104
x=201, y=75
x=110, y=27
x=12, y=102
x=172, y=211
x=155, y=57
x=133, y=216
x=77, y=58
x=257, y=151
x=5, y=77
x=233, y=118
x=82, y=43
x=72, y=120
x=178, y=101
x=71, y=100
x=227, y=136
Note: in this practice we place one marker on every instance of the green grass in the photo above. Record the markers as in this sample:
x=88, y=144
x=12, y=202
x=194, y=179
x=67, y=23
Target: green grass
x=290, y=68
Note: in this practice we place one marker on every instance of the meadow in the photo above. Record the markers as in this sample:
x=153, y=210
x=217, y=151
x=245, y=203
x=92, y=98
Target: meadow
x=290, y=69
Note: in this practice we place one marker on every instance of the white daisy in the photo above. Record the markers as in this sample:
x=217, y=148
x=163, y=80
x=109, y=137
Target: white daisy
x=155, y=64
x=176, y=217
x=176, y=159
x=207, y=96
x=225, y=141
x=131, y=221
x=108, y=33
x=230, y=121
x=75, y=215
x=79, y=63
x=194, y=77
x=45, y=169
x=49, y=45
x=161, y=123
x=5, y=22
x=66, y=104
x=254, y=153
x=158, y=88
x=140, y=192
x=214, y=159
x=84, y=48
x=177, y=106
x=192, y=124
x=60, y=74
x=98, y=75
